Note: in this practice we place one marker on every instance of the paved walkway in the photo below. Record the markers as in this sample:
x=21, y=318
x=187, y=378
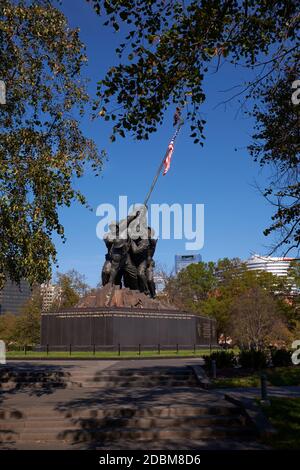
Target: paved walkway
x=104, y=363
x=254, y=392
x=135, y=398
x=59, y=364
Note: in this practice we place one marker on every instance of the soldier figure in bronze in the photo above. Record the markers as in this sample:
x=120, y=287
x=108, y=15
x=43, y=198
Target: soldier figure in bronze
x=130, y=256
x=108, y=240
x=151, y=263
x=140, y=248
x=118, y=261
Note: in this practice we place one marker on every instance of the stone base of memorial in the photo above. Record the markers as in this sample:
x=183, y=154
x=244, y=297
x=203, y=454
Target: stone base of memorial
x=122, y=318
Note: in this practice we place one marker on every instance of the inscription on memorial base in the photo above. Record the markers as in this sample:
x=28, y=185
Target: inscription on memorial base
x=111, y=316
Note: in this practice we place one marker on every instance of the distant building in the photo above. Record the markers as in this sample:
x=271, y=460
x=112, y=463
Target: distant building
x=50, y=293
x=160, y=282
x=273, y=265
x=14, y=296
x=270, y=264
x=182, y=261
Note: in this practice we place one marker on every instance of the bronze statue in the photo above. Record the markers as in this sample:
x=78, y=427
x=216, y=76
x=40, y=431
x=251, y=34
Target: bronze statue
x=151, y=263
x=130, y=256
x=118, y=261
x=108, y=240
x=139, y=250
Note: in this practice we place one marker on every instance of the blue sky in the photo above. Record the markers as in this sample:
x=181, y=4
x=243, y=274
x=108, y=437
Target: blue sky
x=216, y=175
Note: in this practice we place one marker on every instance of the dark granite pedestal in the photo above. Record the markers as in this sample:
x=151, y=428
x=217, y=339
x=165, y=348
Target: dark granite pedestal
x=113, y=317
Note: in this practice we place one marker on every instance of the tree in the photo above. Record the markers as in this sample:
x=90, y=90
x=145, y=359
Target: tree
x=24, y=329
x=294, y=297
x=7, y=328
x=167, y=52
x=227, y=270
x=163, y=276
x=72, y=286
x=294, y=274
x=256, y=320
x=276, y=143
x=218, y=307
x=219, y=304
x=191, y=285
x=211, y=289
x=42, y=148
x=28, y=324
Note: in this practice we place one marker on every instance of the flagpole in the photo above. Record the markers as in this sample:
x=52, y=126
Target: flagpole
x=155, y=178
x=161, y=165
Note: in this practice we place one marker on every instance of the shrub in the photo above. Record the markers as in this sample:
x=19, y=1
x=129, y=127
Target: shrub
x=281, y=357
x=223, y=359
x=253, y=359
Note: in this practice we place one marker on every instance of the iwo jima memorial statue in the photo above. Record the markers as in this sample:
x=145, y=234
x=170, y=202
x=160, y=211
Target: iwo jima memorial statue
x=124, y=312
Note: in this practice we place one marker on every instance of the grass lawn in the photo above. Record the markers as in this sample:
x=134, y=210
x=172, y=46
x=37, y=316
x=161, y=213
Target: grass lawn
x=105, y=354
x=276, y=376
x=236, y=382
x=284, y=414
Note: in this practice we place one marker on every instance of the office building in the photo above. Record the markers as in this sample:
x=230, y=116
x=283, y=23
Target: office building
x=182, y=261
x=14, y=296
x=50, y=293
x=274, y=265
x=160, y=282
x=270, y=264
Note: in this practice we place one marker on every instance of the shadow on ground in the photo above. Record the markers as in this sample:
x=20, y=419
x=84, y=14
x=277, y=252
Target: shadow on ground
x=115, y=415
x=31, y=379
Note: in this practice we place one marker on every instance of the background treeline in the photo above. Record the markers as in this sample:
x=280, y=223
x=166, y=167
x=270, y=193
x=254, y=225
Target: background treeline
x=254, y=308
x=24, y=329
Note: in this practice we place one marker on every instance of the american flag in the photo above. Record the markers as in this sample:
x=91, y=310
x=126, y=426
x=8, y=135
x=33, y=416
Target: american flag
x=168, y=157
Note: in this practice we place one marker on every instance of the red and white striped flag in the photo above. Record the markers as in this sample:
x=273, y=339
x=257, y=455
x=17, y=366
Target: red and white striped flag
x=167, y=161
